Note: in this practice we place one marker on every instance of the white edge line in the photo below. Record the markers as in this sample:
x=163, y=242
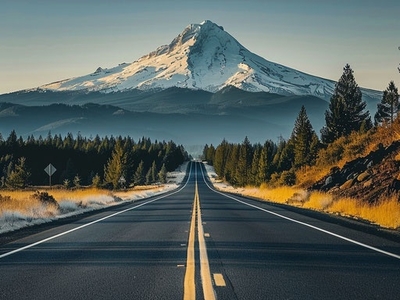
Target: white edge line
x=93, y=222
x=303, y=223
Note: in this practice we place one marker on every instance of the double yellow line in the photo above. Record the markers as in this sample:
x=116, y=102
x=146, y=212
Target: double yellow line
x=189, y=292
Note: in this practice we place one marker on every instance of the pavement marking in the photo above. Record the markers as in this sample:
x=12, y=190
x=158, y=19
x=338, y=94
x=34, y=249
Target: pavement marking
x=207, y=234
x=189, y=287
x=93, y=222
x=303, y=223
x=219, y=279
x=208, y=289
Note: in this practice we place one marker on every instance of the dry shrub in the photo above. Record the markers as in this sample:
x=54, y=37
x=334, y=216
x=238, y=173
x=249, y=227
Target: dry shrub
x=45, y=198
x=318, y=201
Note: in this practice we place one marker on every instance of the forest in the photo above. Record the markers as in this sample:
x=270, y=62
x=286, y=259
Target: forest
x=305, y=157
x=108, y=162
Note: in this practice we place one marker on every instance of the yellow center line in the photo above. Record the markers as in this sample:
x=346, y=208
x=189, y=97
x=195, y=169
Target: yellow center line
x=208, y=290
x=189, y=289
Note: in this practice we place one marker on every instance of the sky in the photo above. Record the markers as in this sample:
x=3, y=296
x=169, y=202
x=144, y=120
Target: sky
x=43, y=41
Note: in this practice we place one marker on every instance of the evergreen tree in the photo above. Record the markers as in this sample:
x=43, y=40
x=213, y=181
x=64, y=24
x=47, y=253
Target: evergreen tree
x=346, y=111
x=302, y=136
x=77, y=181
x=18, y=177
x=116, y=166
x=140, y=177
x=153, y=171
x=205, y=152
x=148, y=177
x=314, y=148
x=96, y=181
x=232, y=161
x=210, y=155
x=254, y=179
x=286, y=159
x=389, y=106
x=221, y=157
x=162, y=175
x=244, y=163
x=265, y=164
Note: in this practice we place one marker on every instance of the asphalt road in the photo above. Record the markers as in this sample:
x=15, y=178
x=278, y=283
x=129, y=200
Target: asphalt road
x=196, y=243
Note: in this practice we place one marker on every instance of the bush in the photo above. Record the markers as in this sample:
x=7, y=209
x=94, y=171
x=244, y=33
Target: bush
x=45, y=198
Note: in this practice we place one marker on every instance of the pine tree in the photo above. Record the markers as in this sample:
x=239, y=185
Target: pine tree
x=96, y=181
x=77, y=181
x=254, y=179
x=302, y=136
x=139, y=178
x=221, y=157
x=18, y=177
x=265, y=164
x=210, y=155
x=116, y=166
x=162, y=175
x=244, y=162
x=205, y=152
x=148, y=177
x=346, y=111
x=231, y=165
x=389, y=106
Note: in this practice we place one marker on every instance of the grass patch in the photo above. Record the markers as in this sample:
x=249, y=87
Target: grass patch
x=385, y=213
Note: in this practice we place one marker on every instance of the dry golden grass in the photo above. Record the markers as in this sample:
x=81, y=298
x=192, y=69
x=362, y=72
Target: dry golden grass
x=386, y=213
x=22, y=201
x=279, y=194
x=318, y=201
x=19, y=201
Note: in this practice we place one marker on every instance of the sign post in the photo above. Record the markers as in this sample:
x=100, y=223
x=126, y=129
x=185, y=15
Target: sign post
x=50, y=170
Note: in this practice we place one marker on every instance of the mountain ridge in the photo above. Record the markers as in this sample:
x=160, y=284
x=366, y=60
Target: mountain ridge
x=202, y=57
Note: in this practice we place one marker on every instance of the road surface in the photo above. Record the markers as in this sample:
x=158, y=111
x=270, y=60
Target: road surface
x=197, y=243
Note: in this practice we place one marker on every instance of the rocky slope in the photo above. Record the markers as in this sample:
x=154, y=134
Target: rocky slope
x=367, y=178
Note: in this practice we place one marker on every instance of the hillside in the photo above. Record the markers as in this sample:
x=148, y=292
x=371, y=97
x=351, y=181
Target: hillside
x=370, y=177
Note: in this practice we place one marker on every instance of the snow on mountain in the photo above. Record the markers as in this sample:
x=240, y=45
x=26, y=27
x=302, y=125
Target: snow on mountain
x=204, y=57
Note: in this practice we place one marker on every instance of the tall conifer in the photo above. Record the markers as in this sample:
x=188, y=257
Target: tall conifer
x=389, y=106
x=346, y=111
x=302, y=136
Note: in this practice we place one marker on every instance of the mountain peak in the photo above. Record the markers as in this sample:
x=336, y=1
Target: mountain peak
x=190, y=35
x=202, y=57
x=208, y=24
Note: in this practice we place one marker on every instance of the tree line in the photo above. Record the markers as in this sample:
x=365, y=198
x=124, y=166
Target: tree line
x=111, y=162
x=253, y=164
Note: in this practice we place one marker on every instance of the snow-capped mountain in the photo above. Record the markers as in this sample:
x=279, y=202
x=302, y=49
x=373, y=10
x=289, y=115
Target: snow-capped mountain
x=203, y=57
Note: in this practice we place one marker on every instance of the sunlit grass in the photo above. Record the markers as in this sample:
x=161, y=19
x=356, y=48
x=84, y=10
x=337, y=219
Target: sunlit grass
x=20, y=201
x=386, y=213
x=23, y=202
x=278, y=194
